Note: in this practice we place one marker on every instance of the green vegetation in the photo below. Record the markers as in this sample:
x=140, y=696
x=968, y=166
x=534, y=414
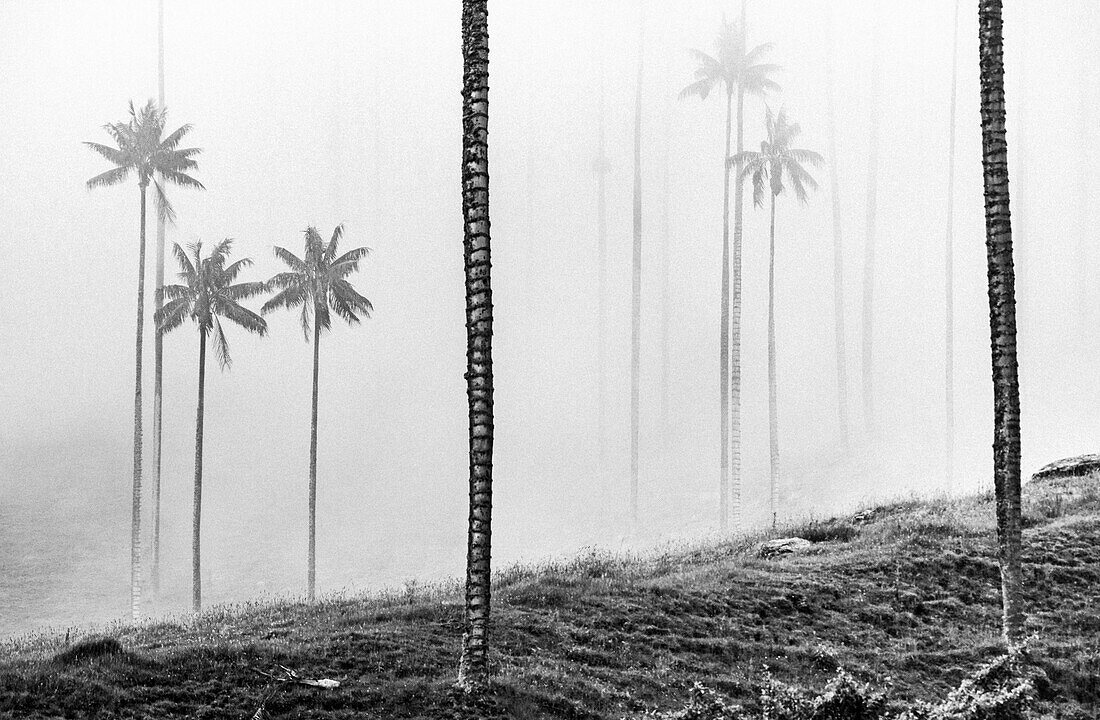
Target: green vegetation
x=913, y=595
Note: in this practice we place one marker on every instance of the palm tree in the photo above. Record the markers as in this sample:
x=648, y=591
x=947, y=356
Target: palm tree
x=1002, y=317
x=473, y=669
x=768, y=167
x=317, y=282
x=949, y=271
x=158, y=341
x=140, y=148
x=601, y=166
x=208, y=296
x=734, y=69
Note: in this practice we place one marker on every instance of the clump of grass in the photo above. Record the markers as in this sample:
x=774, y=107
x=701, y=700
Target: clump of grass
x=827, y=531
x=94, y=648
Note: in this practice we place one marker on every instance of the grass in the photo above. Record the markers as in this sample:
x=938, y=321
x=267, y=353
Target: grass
x=909, y=591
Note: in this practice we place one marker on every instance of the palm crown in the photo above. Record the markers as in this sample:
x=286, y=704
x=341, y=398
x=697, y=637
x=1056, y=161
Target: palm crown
x=210, y=294
x=777, y=159
x=732, y=67
x=317, y=282
x=141, y=149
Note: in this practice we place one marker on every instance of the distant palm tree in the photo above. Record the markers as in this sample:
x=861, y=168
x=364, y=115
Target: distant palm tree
x=775, y=161
x=317, y=282
x=473, y=668
x=1002, y=317
x=949, y=269
x=636, y=279
x=158, y=342
x=158, y=160
x=208, y=296
x=735, y=69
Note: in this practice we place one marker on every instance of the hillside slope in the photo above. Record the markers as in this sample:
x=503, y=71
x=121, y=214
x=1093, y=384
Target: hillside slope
x=909, y=591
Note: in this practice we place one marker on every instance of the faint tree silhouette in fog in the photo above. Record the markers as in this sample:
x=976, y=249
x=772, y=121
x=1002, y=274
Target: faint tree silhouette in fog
x=736, y=70
x=775, y=161
x=141, y=149
x=318, y=284
x=209, y=295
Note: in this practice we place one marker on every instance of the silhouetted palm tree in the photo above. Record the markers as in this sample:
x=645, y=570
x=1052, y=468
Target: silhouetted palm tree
x=775, y=161
x=141, y=149
x=208, y=296
x=735, y=69
x=473, y=669
x=317, y=283
x=1002, y=317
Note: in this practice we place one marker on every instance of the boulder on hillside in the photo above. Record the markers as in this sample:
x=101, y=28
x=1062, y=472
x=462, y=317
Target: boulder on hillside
x=784, y=546
x=1069, y=467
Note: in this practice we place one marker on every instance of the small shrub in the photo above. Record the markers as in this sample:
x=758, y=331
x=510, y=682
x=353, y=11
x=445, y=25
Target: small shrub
x=704, y=703
x=831, y=531
x=1003, y=689
x=844, y=698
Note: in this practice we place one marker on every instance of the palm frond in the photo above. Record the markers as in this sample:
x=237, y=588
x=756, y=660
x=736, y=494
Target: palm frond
x=187, y=270
x=165, y=211
x=221, y=345
x=289, y=280
x=174, y=292
x=334, y=243
x=179, y=178
x=700, y=88
x=170, y=142
x=172, y=314
x=292, y=261
x=240, y=315
x=347, y=302
x=807, y=157
x=753, y=55
x=290, y=297
x=243, y=291
x=348, y=262
x=112, y=177
x=113, y=155
x=234, y=269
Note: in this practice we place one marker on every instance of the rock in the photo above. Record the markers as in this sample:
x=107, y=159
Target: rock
x=1070, y=467
x=784, y=546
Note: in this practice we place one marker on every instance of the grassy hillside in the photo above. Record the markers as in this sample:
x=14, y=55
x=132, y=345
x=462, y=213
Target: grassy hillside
x=908, y=590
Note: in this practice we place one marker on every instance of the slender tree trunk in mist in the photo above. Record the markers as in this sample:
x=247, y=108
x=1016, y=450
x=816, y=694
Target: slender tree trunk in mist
x=664, y=289
x=158, y=339
x=869, y=246
x=135, y=521
x=735, y=329
x=601, y=241
x=636, y=283
x=773, y=404
x=311, y=572
x=724, y=331
x=1002, y=318
x=838, y=251
x=473, y=671
x=949, y=273
x=1082, y=274
x=196, y=517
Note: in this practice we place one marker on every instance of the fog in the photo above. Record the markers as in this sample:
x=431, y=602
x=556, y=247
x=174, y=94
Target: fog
x=349, y=112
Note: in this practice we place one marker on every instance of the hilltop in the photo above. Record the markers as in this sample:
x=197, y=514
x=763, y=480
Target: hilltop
x=908, y=590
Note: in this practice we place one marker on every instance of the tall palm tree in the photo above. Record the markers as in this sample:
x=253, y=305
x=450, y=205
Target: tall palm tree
x=473, y=669
x=141, y=148
x=949, y=271
x=601, y=166
x=317, y=283
x=737, y=70
x=208, y=296
x=158, y=341
x=775, y=161
x=838, y=246
x=1002, y=317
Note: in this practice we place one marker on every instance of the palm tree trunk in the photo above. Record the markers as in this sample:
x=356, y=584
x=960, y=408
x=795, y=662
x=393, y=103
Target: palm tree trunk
x=473, y=671
x=949, y=274
x=665, y=315
x=838, y=252
x=734, y=471
x=135, y=520
x=636, y=285
x=196, y=517
x=158, y=339
x=869, y=247
x=773, y=405
x=1002, y=318
x=311, y=580
x=724, y=330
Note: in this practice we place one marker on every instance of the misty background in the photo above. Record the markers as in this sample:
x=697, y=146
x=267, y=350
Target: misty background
x=342, y=111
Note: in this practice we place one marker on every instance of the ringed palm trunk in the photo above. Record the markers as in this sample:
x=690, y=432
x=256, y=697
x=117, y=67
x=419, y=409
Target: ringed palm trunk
x=724, y=330
x=735, y=330
x=773, y=405
x=196, y=516
x=601, y=239
x=311, y=580
x=473, y=671
x=1002, y=318
x=869, y=247
x=158, y=339
x=135, y=519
